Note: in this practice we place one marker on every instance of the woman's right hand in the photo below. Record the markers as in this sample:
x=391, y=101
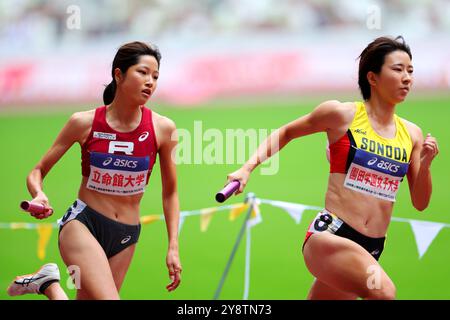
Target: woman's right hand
x=41, y=198
x=242, y=175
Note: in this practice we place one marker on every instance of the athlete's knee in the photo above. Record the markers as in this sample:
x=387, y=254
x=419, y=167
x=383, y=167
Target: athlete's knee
x=386, y=291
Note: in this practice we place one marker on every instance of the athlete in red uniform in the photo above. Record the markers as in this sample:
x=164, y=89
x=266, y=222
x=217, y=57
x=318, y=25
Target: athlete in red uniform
x=119, y=145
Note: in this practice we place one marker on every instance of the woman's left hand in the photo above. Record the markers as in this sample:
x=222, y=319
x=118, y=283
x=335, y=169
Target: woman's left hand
x=174, y=266
x=430, y=150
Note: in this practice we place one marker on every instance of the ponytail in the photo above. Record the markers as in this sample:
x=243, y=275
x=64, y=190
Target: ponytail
x=109, y=93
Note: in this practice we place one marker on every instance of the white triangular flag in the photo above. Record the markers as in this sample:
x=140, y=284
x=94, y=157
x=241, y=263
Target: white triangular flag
x=295, y=210
x=425, y=232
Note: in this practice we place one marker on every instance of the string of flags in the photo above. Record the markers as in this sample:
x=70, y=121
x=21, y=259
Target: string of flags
x=424, y=231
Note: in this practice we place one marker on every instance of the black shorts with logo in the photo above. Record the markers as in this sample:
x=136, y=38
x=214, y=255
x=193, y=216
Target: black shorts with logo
x=113, y=236
x=326, y=221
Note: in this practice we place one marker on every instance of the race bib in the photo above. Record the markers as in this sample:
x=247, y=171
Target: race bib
x=375, y=175
x=325, y=220
x=117, y=174
x=75, y=209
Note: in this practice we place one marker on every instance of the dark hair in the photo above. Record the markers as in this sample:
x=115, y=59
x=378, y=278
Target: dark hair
x=372, y=59
x=127, y=56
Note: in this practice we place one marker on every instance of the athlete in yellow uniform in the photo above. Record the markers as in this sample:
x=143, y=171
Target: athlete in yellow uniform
x=373, y=165
x=370, y=150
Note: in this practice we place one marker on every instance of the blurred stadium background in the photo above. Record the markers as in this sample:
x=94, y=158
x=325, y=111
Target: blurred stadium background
x=230, y=64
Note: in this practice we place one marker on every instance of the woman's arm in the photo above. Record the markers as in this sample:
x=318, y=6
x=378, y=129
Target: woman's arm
x=171, y=207
x=69, y=134
x=419, y=174
x=328, y=117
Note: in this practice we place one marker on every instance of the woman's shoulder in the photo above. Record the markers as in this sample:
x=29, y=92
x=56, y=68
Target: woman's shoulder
x=337, y=107
x=409, y=124
x=82, y=119
x=413, y=129
x=165, y=128
x=335, y=113
x=163, y=123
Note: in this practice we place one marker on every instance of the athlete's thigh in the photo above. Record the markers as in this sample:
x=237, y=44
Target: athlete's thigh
x=120, y=263
x=343, y=264
x=79, y=248
x=322, y=291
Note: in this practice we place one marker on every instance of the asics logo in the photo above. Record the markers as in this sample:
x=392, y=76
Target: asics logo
x=125, y=240
x=372, y=161
x=388, y=166
x=121, y=163
x=126, y=163
x=107, y=161
x=143, y=136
